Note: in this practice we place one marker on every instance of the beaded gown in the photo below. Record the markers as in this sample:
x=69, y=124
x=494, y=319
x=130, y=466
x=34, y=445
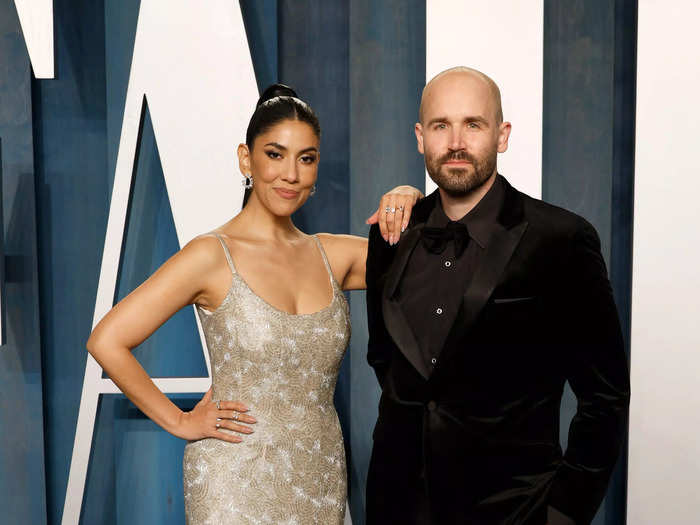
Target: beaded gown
x=291, y=470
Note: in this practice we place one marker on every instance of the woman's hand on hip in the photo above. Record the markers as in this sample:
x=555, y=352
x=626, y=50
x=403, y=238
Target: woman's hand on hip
x=208, y=418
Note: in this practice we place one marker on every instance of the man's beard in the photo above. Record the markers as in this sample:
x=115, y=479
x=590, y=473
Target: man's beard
x=460, y=181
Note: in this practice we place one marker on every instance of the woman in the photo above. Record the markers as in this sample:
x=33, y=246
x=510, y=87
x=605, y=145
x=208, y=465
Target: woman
x=276, y=322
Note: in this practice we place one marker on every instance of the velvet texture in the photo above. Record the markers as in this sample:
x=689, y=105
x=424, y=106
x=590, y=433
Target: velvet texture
x=480, y=427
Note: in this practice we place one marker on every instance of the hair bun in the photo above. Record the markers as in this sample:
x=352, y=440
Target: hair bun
x=275, y=90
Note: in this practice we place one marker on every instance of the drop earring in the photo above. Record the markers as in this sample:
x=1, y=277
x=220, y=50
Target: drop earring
x=313, y=191
x=247, y=181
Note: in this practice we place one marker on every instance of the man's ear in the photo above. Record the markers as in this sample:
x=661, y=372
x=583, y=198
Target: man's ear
x=244, y=159
x=419, y=137
x=503, y=134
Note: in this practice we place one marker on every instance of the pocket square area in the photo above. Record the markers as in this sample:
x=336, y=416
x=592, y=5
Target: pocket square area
x=511, y=300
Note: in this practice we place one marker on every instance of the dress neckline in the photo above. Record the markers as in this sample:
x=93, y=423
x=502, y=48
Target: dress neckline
x=236, y=275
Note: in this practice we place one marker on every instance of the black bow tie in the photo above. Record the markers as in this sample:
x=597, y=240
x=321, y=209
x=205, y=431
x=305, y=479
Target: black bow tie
x=435, y=239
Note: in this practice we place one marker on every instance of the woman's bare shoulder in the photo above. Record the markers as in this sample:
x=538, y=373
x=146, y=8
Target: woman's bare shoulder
x=204, y=251
x=339, y=241
x=343, y=248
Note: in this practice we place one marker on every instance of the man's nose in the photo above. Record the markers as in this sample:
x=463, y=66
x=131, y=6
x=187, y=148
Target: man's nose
x=457, y=141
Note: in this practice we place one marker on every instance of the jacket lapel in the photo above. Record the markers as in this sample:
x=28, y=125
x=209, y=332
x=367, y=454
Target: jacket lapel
x=394, y=318
x=503, y=242
x=487, y=276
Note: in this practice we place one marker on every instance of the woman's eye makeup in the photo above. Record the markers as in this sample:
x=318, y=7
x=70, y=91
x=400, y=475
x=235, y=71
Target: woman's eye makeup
x=307, y=158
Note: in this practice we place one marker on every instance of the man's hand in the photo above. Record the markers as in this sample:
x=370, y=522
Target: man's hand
x=394, y=211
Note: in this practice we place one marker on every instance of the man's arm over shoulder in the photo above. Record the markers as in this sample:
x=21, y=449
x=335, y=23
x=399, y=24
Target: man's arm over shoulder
x=597, y=370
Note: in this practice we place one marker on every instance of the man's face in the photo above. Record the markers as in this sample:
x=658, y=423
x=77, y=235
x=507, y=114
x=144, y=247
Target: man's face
x=460, y=135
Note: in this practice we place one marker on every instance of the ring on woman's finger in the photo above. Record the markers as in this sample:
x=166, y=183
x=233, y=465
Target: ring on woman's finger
x=218, y=404
x=218, y=425
x=235, y=415
x=400, y=208
x=390, y=210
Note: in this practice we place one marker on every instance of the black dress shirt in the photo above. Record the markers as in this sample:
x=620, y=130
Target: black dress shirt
x=430, y=293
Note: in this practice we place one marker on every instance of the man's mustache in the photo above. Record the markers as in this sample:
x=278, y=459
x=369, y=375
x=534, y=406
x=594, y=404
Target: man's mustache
x=456, y=155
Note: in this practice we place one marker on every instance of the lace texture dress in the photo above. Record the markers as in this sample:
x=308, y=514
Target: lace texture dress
x=291, y=470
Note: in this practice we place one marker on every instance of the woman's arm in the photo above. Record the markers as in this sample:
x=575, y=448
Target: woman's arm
x=184, y=279
x=348, y=253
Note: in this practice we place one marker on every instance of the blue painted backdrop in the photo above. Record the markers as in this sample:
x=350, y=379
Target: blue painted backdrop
x=22, y=483
x=361, y=65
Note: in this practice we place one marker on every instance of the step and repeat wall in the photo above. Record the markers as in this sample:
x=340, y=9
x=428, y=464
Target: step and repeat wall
x=119, y=122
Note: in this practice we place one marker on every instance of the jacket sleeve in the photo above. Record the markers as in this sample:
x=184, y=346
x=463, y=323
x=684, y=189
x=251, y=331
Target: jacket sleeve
x=379, y=346
x=597, y=370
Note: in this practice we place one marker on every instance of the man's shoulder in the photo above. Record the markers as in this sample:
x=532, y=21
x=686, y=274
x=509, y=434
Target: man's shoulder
x=552, y=219
x=419, y=214
x=423, y=207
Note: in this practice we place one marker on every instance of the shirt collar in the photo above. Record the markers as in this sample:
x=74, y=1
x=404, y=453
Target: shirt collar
x=481, y=219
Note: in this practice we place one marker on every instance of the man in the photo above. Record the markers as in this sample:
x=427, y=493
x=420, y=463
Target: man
x=489, y=302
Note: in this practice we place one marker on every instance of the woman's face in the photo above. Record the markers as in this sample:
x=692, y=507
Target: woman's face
x=283, y=163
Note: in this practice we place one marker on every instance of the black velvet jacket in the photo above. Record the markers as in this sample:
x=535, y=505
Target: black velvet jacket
x=481, y=427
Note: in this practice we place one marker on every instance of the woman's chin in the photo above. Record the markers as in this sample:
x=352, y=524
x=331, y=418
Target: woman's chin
x=285, y=209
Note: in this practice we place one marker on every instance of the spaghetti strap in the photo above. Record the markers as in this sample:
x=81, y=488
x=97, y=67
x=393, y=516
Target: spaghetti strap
x=325, y=259
x=227, y=253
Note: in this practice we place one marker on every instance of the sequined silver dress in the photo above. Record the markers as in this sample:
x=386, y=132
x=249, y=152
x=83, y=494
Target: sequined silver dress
x=291, y=470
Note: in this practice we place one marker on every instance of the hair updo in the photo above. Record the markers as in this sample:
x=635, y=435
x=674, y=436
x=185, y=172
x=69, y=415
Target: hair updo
x=278, y=103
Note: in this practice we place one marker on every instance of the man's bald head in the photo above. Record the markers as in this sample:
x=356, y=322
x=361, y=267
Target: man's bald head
x=467, y=72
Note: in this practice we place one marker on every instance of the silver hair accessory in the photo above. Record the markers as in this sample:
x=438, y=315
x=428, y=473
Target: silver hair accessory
x=247, y=181
x=313, y=191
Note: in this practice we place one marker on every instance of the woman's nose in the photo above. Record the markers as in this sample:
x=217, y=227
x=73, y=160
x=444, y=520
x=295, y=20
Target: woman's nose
x=290, y=172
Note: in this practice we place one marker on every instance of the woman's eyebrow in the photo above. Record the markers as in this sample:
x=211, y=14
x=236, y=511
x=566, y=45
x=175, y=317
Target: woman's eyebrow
x=310, y=148
x=284, y=148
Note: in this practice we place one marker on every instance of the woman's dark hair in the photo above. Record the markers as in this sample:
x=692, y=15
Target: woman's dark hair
x=277, y=103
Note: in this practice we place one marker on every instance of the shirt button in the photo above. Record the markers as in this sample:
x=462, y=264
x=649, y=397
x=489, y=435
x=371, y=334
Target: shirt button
x=448, y=264
x=438, y=311
x=433, y=360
